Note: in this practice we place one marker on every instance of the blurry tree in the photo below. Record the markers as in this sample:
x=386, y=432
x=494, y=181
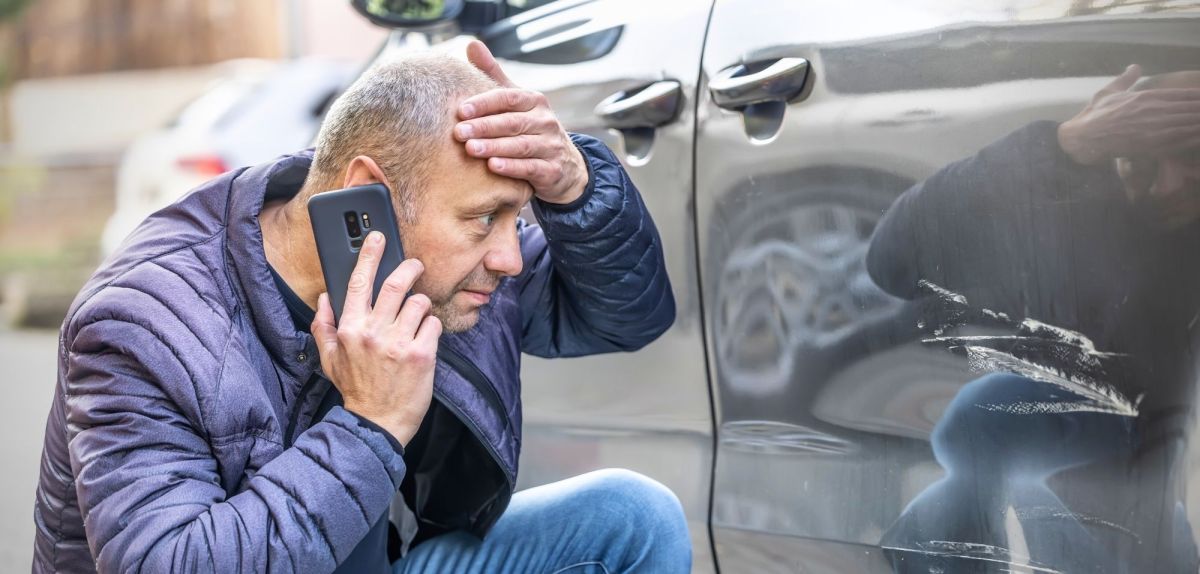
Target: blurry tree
x=10, y=8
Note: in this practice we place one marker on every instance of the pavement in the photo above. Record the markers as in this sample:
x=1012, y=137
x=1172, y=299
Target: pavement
x=28, y=367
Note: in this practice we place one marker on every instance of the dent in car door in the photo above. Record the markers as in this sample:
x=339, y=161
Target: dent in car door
x=634, y=66
x=948, y=336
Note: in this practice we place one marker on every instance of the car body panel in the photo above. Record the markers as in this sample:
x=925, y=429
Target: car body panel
x=829, y=390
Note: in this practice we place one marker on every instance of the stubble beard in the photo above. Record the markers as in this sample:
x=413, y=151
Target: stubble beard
x=456, y=319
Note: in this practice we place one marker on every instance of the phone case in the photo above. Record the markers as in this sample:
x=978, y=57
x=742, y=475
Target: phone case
x=338, y=248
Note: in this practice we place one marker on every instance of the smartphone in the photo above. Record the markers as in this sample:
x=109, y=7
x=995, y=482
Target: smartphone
x=341, y=220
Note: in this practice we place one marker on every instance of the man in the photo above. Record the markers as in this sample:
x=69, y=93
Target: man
x=198, y=426
x=1087, y=224
x=1089, y=227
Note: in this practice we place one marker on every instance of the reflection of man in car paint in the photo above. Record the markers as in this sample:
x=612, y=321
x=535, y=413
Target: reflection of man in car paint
x=1089, y=226
x=1151, y=131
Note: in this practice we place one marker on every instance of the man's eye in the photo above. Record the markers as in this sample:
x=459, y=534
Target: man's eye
x=486, y=220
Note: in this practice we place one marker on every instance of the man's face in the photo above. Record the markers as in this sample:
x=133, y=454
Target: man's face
x=1167, y=187
x=465, y=232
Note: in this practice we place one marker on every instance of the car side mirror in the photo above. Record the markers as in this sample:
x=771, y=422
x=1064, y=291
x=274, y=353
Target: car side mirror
x=408, y=13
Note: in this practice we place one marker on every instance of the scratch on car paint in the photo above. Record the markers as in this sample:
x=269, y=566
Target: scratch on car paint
x=996, y=315
x=1100, y=398
x=1049, y=512
x=943, y=292
x=948, y=297
x=974, y=551
x=1082, y=364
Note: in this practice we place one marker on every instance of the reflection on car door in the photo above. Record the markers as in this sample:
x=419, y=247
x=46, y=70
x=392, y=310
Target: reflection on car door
x=950, y=330
x=625, y=72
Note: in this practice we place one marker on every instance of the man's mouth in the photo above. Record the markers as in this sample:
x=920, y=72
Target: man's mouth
x=479, y=296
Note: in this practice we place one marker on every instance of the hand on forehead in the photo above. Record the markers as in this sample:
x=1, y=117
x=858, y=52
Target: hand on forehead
x=518, y=134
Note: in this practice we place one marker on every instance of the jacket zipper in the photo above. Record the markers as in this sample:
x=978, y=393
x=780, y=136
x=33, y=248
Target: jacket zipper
x=465, y=368
x=473, y=375
x=303, y=394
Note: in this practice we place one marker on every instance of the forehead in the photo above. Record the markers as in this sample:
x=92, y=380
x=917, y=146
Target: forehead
x=464, y=182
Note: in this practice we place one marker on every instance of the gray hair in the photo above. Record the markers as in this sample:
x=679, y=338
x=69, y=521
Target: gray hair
x=395, y=113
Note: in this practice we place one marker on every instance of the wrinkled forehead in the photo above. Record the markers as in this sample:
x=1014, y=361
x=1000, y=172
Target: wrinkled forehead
x=465, y=183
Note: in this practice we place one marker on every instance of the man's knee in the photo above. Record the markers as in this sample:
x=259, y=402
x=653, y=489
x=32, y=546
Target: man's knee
x=637, y=501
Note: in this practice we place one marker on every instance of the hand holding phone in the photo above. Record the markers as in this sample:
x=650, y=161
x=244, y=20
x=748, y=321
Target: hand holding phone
x=381, y=351
x=341, y=219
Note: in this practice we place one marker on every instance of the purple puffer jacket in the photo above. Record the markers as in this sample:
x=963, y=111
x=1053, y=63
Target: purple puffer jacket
x=181, y=435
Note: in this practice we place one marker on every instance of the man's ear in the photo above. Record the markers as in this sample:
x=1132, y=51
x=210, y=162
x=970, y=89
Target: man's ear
x=363, y=171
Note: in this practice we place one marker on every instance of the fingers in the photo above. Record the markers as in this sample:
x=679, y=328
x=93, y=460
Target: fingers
x=362, y=279
x=514, y=147
x=499, y=101
x=1172, y=140
x=414, y=312
x=430, y=331
x=538, y=172
x=479, y=56
x=394, y=289
x=1124, y=81
x=506, y=125
x=323, y=329
x=1171, y=94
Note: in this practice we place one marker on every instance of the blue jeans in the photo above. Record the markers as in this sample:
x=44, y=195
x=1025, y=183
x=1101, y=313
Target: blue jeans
x=607, y=521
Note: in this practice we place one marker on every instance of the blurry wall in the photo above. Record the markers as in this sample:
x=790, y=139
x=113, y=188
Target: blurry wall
x=68, y=37
x=332, y=29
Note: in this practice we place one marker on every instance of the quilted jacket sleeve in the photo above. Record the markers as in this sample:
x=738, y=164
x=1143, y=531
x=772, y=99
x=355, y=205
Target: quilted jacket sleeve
x=148, y=483
x=594, y=279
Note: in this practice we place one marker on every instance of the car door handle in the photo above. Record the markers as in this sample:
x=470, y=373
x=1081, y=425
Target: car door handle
x=648, y=107
x=782, y=80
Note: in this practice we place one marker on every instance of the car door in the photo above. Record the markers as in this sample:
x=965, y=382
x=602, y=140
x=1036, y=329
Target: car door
x=951, y=331
x=625, y=72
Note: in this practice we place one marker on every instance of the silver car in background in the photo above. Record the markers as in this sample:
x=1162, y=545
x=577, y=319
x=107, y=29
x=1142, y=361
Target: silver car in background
x=936, y=270
x=257, y=111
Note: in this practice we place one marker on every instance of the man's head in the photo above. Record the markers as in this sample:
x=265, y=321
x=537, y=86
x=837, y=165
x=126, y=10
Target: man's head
x=394, y=126
x=1167, y=184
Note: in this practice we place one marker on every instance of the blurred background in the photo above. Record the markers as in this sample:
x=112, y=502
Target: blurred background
x=110, y=109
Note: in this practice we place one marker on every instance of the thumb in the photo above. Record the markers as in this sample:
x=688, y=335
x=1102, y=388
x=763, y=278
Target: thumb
x=322, y=327
x=1124, y=81
x=479, y=56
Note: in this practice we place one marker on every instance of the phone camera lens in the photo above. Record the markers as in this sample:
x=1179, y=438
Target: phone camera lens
x=352, y=226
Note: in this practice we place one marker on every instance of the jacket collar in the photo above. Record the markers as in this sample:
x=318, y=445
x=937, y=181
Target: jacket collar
x=290, y=349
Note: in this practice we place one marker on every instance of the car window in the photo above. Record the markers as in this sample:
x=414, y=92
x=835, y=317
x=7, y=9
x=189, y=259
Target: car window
x=557, y=33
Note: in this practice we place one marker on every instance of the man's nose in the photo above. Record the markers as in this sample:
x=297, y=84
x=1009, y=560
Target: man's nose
x=504, y=256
